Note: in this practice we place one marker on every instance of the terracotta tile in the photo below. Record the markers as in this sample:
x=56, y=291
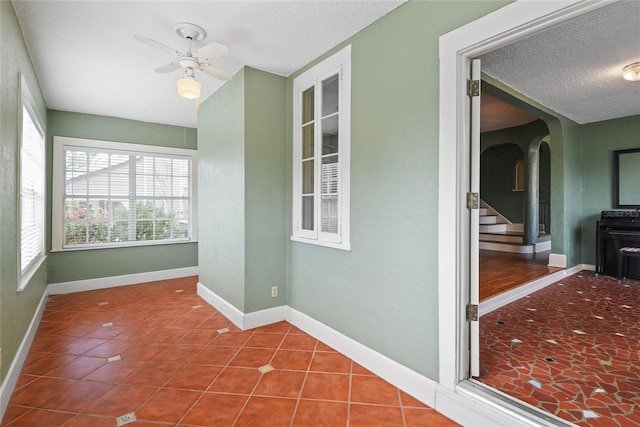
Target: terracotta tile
x=265, y=340
x=426, y=417
x=215, y=355
x=106, y=332
x=280, y=384
x=167, y=405
x=369, y=415
x=321, y=413
x=24, y=380
x=409, y=401
x=326, y=387
x=154, y=373
x=252, y=357
x=13, y=412
x=90, y=420
x=115, y=372
x=215, y=323
x=186, y=323
x=194, y=377
x=199, y=336
x=110, y=348
x=78, y=345
x=39, y=391
x=215, y=409
x=359, y=370
x=236, y=380
x=179, y=353
x=299, y=342
x=365, y=389
x=41, y=417
x=267, y=411
x=236, y=339
x=323, y=347
x=279, y=327
x=120, y=400
x=76, y=397
x=46, y=363
x=168, y=335
x=331, y=362
x=145, y=351
x=292, y=360
x=78, y=368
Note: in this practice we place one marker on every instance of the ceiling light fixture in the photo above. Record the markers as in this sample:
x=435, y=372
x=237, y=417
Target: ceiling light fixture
x=631, y=72
x=188, y=86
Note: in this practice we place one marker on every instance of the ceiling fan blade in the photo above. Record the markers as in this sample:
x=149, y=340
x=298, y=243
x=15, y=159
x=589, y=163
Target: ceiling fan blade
x=166, y=49
x=167, y=68
x=216, y=72
x=211, y=51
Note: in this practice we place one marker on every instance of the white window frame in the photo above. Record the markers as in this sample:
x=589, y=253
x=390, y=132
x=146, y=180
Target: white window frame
x=57, y=214
x=26, y=272
x=338, y=63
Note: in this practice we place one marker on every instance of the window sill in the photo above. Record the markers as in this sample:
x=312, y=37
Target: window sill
x=121, y=246
x=341, y=246
x=26, y=277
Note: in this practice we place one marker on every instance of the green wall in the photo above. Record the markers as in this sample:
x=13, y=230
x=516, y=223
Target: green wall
x=598, y=142
x=90, y=264
x=384, y=292
x=16, y=308
x=500, y=150
x=241, y=138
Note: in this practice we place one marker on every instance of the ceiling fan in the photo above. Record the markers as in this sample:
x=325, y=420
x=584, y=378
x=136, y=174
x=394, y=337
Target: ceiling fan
x=188, y=86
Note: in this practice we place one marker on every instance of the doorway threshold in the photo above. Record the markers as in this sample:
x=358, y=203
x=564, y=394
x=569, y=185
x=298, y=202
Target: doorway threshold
x=500, y=300
x=530, y=414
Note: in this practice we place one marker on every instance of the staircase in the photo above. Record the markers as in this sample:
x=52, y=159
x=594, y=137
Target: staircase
x=497, y=233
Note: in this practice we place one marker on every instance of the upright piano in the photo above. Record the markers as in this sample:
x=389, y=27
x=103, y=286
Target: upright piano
x=615, y=230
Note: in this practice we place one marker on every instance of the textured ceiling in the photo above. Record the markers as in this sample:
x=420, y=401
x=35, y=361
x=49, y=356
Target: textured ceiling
x=575, y=69
x=87, y=60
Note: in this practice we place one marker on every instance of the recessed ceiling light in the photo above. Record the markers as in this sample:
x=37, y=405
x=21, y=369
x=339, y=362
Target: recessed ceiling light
x=631, y=72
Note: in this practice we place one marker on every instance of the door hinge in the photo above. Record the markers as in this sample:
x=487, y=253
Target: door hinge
x=472, y=200
x=473, y=88
x=472, y=312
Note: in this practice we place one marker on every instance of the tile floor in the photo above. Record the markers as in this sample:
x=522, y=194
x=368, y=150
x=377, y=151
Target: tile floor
x=157, y=353
x=571, y=349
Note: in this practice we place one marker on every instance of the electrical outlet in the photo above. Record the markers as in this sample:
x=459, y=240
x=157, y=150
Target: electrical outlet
x=274, y=291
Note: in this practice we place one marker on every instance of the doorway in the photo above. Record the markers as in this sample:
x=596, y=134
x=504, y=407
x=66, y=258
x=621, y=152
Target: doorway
x=457, y=48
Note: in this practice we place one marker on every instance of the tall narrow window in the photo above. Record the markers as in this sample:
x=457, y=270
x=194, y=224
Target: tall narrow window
x=321, y=153
x=31, y=237
x=115, y=194
x=518, y=176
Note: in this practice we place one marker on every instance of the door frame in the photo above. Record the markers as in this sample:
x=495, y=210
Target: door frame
x=500, y=28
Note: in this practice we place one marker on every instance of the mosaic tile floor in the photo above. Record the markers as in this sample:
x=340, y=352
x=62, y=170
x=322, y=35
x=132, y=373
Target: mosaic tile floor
x=158, y=354
x=571, y=349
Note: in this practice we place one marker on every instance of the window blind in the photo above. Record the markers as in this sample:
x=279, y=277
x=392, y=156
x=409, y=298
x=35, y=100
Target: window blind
x=115, y=197
x=31, y=190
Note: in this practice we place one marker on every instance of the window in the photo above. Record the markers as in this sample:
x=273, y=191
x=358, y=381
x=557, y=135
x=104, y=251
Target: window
x=321, y=153
x=110, y=194
x=518, y=176
x=31, y=233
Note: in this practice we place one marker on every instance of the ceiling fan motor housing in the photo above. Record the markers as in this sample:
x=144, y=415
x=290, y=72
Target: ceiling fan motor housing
x=189, y=62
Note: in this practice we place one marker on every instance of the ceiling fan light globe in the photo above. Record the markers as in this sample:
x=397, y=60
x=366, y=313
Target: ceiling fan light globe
x=631, y=72
x=189, y=87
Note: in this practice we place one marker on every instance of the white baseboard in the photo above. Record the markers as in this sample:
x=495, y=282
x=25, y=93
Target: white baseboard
x=419, y=386
x=229, y=311
x=9, y=384
x=589, y=267
x=265, y=317
x=115, y=281
x=500, y=300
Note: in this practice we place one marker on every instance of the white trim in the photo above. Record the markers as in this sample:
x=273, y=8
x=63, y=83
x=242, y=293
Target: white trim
x=57, y=208
x=502, y=27
x=338, y=63
x=265, y=317
x=500, y=300
x=589, y=267
x=229, y=311
x=9, y=384
x=115, y=281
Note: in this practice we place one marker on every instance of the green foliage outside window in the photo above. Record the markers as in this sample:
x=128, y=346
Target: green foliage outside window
x=94, y=224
